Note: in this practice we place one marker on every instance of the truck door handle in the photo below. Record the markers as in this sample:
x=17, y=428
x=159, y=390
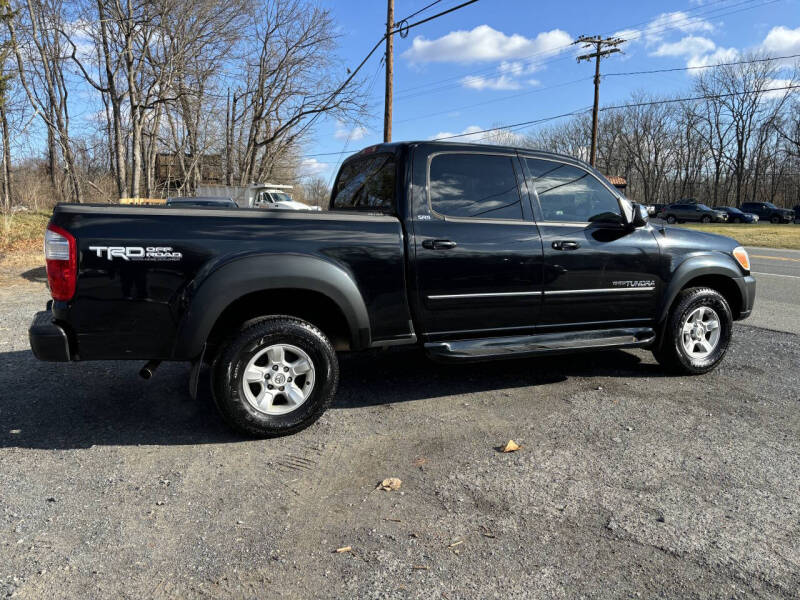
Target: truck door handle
x=566, y=245
x=438, y=244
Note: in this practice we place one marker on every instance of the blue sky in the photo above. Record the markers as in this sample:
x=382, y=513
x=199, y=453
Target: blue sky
x=507, y=61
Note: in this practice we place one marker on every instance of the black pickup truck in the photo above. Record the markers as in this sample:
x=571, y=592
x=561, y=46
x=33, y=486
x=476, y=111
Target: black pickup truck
x=471, y=252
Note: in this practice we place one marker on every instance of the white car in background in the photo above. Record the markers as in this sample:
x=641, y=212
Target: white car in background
x=257, y=195
x=277, y=199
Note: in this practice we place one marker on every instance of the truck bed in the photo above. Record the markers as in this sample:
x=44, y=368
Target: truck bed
x=138, y=267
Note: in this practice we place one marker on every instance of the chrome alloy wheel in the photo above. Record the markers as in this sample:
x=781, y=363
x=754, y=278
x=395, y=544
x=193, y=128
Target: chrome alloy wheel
x=278, y=379
x=700, y=332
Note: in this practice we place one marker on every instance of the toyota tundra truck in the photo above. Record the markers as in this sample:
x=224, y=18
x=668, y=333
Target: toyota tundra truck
x=470, y=252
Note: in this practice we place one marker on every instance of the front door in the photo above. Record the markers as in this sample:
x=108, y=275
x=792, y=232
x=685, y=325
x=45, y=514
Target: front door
x=598, y=272
x=478, y=255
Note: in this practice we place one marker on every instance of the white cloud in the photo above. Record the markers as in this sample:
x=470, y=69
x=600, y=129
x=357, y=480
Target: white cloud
x=512, y=77
x=720, y=55
x=471, y=132
x=474, y=133
x=478, y=82
x=309, y=167
x=517, y=67
x=777, y=83
x=343, y=133
x=688, y=46
x=483, y=43
x=678, y=20
x=660, y=27
x=782, y=41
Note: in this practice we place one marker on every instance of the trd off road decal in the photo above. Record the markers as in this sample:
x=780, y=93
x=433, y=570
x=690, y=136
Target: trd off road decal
x=136, y=253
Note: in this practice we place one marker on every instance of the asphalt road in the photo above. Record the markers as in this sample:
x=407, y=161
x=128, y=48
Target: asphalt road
x=777, y=274
x=629, y=483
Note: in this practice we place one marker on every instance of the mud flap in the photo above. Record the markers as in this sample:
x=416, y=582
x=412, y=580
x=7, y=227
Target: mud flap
x=194, y=375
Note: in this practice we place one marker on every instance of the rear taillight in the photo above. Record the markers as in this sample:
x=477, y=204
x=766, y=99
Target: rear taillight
x=61, y=256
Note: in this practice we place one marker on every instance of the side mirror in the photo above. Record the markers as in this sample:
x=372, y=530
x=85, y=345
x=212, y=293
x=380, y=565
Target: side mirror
x=640, y=216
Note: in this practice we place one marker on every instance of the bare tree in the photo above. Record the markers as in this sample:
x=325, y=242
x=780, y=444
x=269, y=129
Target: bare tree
x=316, y=192
x=739, y=96
x=38, y=44
x=289, y=82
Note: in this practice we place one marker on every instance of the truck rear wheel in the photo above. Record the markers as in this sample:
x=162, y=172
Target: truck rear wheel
x=275, y=377
x=697, y=332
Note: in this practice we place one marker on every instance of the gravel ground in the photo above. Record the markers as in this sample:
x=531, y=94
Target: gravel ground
x=628, y=484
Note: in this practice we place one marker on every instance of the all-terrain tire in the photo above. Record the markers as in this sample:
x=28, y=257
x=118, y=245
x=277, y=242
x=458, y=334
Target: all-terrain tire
x=228, y=376
x=670, y=350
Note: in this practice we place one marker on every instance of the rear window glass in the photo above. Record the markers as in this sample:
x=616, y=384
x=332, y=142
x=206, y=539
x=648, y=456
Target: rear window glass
x=474, y=186
x=366, y=184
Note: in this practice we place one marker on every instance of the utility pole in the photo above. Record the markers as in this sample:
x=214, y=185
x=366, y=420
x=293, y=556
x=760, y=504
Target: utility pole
x=603, y=47
x=387, y=105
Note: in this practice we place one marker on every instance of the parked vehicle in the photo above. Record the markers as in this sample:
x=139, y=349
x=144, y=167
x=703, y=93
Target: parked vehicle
x=470, y=252
x=797, y=214
x=737, y=216
x=767, y=211
x=277, y=199
x=256, y=195
x=701, y=213
x=201, y=201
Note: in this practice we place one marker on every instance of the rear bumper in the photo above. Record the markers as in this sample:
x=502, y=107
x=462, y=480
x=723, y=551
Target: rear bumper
x=747, y=286
x=48, y=340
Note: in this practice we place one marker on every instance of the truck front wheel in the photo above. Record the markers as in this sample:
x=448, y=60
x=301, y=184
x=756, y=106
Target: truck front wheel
x=697, y=332
x=275, y=377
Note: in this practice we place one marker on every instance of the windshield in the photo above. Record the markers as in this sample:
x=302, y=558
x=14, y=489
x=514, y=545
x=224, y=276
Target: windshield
x=703, y=207
x=769, y=205
x=731, y=209
x=280, y=197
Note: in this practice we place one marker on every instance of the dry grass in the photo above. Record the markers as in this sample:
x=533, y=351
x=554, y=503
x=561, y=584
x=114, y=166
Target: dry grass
x=21, y=239
x=768, y=236
x=22, y=232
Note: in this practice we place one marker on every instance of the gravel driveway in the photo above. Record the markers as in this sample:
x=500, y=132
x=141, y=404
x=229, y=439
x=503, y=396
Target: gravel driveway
x=628, y=483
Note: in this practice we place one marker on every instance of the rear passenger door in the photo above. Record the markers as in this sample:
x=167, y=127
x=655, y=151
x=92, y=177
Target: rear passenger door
x=598, y=272
x=478, y=255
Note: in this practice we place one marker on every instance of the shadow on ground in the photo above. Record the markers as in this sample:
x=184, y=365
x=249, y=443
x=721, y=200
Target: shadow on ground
x=36, y=275
x=78, y=405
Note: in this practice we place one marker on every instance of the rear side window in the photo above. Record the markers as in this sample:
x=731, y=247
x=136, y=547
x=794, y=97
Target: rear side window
x=481, y=186
x=569, y=194
x=366, y=184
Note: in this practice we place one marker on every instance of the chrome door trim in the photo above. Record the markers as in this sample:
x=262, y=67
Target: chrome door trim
x=600, y=290
x=486, y=295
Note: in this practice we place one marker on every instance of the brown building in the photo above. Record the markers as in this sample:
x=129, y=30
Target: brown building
x=618, y=182
x=168, y=168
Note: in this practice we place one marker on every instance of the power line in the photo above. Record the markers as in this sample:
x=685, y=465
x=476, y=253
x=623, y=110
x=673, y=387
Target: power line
x=574, y=81
x=336, y=92
x=714, y=66
x=537, y=90
x=423, y=9
x=350, y=135
x=523, y=124
x=405, y=93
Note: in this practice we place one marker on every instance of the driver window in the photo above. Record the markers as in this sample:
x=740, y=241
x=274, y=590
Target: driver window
x=569, y=194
